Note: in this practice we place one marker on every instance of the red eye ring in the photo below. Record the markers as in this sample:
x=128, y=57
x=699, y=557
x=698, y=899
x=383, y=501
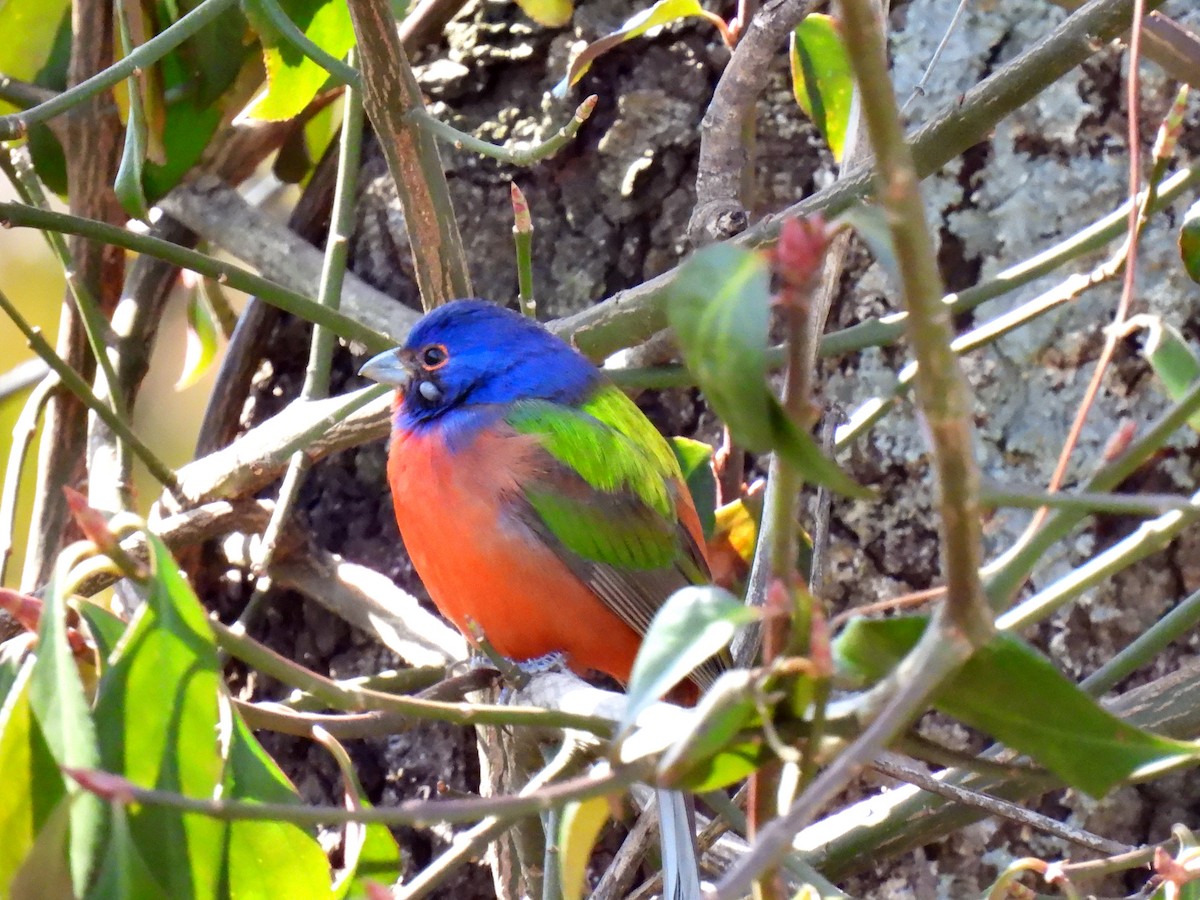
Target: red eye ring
x=434, y=356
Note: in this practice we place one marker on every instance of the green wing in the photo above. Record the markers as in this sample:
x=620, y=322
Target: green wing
x=606, y=499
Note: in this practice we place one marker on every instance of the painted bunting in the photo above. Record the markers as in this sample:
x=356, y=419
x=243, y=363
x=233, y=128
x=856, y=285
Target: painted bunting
x=536, y=500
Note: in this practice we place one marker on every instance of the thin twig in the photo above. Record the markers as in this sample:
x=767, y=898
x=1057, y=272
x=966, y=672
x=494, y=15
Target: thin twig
x=472, y=842
x=523, y=244
x=20, y=215
x=895, y=767
x=323, y=341
x=919, y=88
x=632, y=315
x=1145, y=647
x=720, y=210
x=1129, y=257
x=390, y=94
x=413, y=813
x=942, y=392
x=72, y=381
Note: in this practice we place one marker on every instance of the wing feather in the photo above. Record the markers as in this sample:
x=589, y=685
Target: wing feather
x=612, y=511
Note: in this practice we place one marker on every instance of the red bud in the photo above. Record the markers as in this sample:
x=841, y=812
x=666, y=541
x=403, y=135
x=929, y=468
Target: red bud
x=800, y=252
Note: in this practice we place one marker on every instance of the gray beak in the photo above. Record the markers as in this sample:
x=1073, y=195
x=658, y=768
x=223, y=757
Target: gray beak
x=389, y=367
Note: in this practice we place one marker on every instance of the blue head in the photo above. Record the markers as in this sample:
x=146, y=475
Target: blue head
x=465, y=357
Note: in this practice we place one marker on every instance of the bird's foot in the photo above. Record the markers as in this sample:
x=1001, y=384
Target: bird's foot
x=527, y=668
x=551, y=662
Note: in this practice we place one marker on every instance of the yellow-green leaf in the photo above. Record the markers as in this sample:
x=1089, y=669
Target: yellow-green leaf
x=1171, y=358
x=1189, y=241
x=822, y=80
x=201, y=341
x=577, y=833
x=292, y=78
x=551, y=13
x=661, y=13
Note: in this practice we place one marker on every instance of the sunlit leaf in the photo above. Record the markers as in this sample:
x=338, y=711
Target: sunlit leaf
x=269, y=858
x=167, y=662
x=45, y=873
x=57, y=698
x=1189, y=241
x=661, y=13
x=822, y=79
x=695, y=459
x=693, y=625
x=292, y=78
x=728, y=766
x=719, y=306
x=1015, y=694
x=725, y=710
x=202, y=341
x=37, y=23
x=34, y=785
x=551, y=13
x=577, y=833
x=123, y=872
x=1170, y=356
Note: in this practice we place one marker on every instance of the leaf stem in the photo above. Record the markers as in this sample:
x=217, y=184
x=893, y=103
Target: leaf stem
x=523, y=156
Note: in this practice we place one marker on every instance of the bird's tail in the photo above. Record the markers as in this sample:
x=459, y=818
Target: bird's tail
x=681, y=868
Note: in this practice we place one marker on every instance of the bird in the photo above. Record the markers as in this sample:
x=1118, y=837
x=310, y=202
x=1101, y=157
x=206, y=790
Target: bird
x=537, y=502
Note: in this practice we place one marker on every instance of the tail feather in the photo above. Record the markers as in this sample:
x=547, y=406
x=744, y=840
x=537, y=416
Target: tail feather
x=681, y=867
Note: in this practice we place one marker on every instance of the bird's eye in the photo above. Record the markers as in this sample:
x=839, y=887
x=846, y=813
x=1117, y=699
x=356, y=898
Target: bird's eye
x=434, y=357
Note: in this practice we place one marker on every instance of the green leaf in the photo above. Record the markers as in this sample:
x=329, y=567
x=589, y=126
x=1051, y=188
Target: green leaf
x=37, y=23
x=34, y=785
x=292, y=78
x=1015, y=694
x=695, y=461
x=577, y=833
x=167, y=663
x=725, y=711
x=822, y=78
x=729, y=766
x=869, y=222
x=661, y=13
x=720, y=309
x=1170, y=356
x=186, y=130
x=550, y=13
x=212, y=59
x=268, y=858
x=202, y=340
x=694, y=624
x=124, y=872
x=1189, y=241
x=128, y=184
x=58, y=701
x=49, y=161
x=45, y=873
x=106, y=630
